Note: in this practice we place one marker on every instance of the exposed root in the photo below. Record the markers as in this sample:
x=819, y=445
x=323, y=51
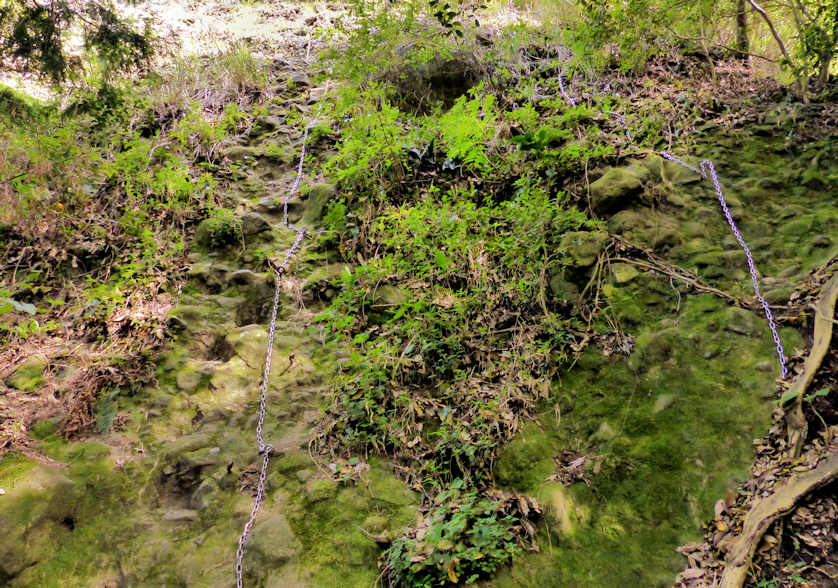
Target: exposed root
x=796, y=427
x=766, y=511
x=630, y=253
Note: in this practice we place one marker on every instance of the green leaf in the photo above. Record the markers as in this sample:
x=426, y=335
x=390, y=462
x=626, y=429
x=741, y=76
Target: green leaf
x=818, y=394
x=441, y=260
x=789, y=396
x=19, y=306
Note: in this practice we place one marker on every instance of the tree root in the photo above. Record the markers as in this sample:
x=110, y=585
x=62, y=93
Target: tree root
x=764, y=512
x=796, y=427
x=627, y=252
x=768, y=510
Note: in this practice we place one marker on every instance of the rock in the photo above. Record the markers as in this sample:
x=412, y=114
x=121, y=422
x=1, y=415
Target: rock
x=606, y=432
x=210, y=276
x=563, y=289
x=319, y=195
x=798, y=227
x=273, y=205
x=375, y=523
x=203, y=495
x=199, y=458
x=178, y=515
x=288, y=576
x=710, y=264
x=559, y=506
x=187, y=443
x=735, y=258
x=617, y=188
x=269, y=123
x=250, y=343
x=188, y=380
x=654, y=348
x=253, y=223
x=623, y=272
x=321, y=489
x=386, y=488
x=527, y=460
x=240, y=152
x=388, y=296
x=245, y=277
x=273, y=541
x=779, y=295
x=663, y=402
x=33, y=516
x=821, y=241
x=789, y=272
x=669, y=171
x=743, y=322
x=299, y=79
x=29, y=375
x=764, y=366
x=583, y=246
x=192, y=375
x=217, y=233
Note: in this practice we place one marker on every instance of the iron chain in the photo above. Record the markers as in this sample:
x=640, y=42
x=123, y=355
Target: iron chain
x=704, y=169
x=265, y=449
x=707, y=166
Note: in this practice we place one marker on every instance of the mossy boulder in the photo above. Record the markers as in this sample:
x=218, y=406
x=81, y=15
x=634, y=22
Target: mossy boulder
x=240, y=152
x=319, y=195
x=36, y=511
x=623, y=272
x=386, y=488
x=743, y=322
x=29, y=375
x=193, y=374
x=273, y=542
x=526, y=461
x=563, y=289
x=583, y=247
x=253, y=223
x=560, y=508
x=671, y=172
x=617, y=188
x=217, y=233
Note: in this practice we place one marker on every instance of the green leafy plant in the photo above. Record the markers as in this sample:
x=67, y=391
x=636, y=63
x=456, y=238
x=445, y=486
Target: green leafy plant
x=373, y=151
x=467, y=128
x=462, y=538
x=223, y=228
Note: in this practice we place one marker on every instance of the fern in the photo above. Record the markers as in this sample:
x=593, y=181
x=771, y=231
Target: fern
x=467, y=128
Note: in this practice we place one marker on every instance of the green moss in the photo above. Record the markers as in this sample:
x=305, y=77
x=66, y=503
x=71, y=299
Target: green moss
x=655, y=472
x=43, y=429
x=328, y=520
x=527, y=461
x=29, y=376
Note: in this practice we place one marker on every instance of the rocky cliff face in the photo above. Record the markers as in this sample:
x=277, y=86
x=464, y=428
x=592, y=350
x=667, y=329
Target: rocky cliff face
x=638, y=440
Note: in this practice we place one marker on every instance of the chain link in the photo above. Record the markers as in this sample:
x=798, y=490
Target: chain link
x=265, y=449
x=706, y=167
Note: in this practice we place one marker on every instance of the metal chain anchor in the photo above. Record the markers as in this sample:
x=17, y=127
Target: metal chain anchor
x=264, y=448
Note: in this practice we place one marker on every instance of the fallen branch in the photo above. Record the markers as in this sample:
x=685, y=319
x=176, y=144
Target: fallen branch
x=765, y=512
x=796, y=427
x=655, y=263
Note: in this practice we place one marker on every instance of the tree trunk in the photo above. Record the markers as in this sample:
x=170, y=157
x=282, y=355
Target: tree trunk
x=742, y=45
